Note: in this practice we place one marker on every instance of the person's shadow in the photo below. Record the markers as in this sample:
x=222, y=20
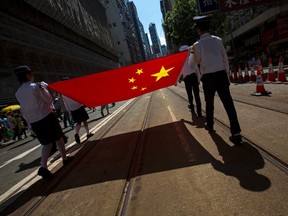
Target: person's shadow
x=242, y=163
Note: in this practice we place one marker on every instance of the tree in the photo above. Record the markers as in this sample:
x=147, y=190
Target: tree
x=178, y=23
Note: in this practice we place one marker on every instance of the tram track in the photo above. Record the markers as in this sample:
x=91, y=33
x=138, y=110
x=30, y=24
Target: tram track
x=127, y=190
x=251, y=104
x=265, y=154
x=41, y=199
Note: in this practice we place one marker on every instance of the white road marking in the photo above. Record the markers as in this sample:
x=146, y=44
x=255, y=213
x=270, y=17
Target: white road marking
x=32, y=178
x=187, y=148
x=19, y=156
x=163, y=96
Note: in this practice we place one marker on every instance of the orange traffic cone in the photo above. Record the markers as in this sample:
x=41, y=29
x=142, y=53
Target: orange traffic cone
x=271, y=76
x=262, y=72
x=281, y=73
x=247, y=78
x=260, y=90
x=240, y=76
x=253, y=76
x=235, y=75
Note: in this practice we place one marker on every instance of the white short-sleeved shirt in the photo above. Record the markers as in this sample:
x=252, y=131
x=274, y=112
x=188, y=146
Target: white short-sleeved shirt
x=210, y=53
x=35, y=101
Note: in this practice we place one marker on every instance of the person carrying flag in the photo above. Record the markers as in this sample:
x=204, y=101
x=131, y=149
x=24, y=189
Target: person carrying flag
x=35, y=101
x=210, y=54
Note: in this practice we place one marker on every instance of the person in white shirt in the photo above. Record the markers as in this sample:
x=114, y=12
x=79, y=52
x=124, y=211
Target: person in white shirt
x=79, y=115
x=191, y=76
x=35, y=101
x=210, y=53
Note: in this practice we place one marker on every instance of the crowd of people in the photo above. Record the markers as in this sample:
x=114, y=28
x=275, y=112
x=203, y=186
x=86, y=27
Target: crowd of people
x=13, y=126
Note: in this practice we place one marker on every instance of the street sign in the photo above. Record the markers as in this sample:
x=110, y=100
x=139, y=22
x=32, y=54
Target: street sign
x=207, y=6
x=230, y=5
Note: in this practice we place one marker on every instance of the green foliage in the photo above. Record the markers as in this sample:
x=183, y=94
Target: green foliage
x=178, y=23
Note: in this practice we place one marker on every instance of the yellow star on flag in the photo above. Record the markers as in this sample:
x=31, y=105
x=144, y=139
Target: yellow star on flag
x=163, y=73
x=143, y=89
x=132, y=80
x=134, y=87
x=139, y=71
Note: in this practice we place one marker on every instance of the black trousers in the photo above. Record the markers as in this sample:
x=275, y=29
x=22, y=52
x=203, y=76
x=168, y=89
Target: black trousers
x=218, y=82
x=191, y=83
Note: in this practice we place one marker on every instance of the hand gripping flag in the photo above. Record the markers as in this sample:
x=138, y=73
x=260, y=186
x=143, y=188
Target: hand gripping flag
x=122, y=83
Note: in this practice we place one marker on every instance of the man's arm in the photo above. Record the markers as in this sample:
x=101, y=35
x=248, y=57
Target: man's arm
x=197, y=52
x=225, y=58
x=42, y=91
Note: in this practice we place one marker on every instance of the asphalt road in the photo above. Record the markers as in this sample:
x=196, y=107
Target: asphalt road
x=180, y=168
x=21, y=158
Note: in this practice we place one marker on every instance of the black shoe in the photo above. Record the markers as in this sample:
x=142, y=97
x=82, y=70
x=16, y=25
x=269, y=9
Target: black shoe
x=68, y=160
x=236, y=139
x=89, y=135
x=210, y=129
x=45, y=173
x=77, y=138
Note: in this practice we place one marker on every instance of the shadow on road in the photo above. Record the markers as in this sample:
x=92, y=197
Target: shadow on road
x=241, y=163
x=111, y=159
x=30, y=165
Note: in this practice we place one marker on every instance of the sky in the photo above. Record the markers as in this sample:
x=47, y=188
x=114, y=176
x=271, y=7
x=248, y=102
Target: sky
x=149, y=11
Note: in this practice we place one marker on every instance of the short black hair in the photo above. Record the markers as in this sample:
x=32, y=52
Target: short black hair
x=21, y=73
x=203, y=26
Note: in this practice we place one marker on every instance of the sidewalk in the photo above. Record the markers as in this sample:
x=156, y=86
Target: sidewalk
x=182, y=170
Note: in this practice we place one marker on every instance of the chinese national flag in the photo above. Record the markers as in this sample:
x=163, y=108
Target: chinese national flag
x=123, y=83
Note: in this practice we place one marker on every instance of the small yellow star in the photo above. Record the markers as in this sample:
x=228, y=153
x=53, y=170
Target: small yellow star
x=143, y=89
x=132, y=80
x=163, y=73
x=139, y=71
x=134, y=87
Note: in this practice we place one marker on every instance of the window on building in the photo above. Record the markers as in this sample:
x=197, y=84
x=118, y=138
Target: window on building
x=118, y=42
x=114, y=24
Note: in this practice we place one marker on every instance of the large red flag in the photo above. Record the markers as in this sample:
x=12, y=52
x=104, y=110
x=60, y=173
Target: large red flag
x=122, y=83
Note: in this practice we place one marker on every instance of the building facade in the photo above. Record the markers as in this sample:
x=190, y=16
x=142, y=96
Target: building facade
x=120, y=27
x=148, y=47
x=137, y=31
x=166, y=6
x=55, y=38
x=156, y=45
x=260, y=32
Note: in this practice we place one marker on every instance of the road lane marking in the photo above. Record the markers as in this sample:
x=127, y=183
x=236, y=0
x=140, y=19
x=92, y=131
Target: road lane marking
x=33, y=177
x=19, y=156
x=187, y=148
x=163, y=96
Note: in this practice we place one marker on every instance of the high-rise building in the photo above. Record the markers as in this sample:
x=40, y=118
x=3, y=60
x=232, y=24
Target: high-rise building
x=148, y=47
x=166, y=6
x=120, y=27
x=55, y=38
x=156, y=45
x=137, y=30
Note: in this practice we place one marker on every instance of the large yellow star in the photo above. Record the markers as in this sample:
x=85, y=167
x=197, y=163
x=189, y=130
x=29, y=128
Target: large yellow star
x=132, y=80
x=134, y=87
x=163, y=73
x=139, y=71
